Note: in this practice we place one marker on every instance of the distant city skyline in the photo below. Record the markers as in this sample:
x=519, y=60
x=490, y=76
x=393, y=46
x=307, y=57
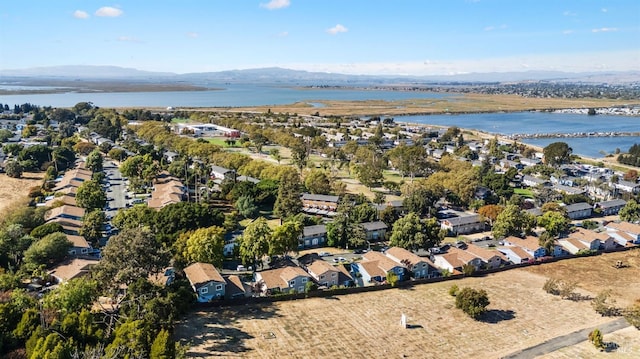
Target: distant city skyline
x=373, y=37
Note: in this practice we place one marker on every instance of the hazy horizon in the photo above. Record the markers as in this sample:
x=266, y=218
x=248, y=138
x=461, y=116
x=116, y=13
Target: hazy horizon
x=359, y=37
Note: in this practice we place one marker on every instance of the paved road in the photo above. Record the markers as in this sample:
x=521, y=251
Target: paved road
x=567, y=340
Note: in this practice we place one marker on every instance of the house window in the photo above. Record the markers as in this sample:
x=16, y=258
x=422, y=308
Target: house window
x=424, y=265
x=292, y=283
x=219, y=287
x=204, y=290
x=333, y=274
x=304, y=280
x=322, y=276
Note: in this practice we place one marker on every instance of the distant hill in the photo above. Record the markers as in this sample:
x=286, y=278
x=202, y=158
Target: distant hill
x=275, y=75
x=83, y=72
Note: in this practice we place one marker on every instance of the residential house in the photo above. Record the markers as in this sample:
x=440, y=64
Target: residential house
x=206, y=281
x=71, y=226
x=375, y=231
x=66, y=199
x=375, y=267
x=220, y=174
x=612, y=207
x=579, y=210
x=313, y=236
x=463, y=224
x=455, y=258
x=166, y=190
x=531, y=181
x=80, y=245
x=66, y=211
x=235, y=287
x=419, y=267
x=324, y=273
x=344, y=276
x=529, y=244
x=285, y=279
x=594, y=240
x=568, y=190
x=516, y=255
x=319, y=202
x=628, y=186
x=529, y=162
x=491, y=258
x=624, y=233
x=573, y=245
x=74, y=268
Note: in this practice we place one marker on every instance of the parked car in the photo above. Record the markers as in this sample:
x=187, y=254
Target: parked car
x=323, y=254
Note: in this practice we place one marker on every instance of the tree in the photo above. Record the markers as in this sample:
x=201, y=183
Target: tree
x=420, y=200
x=163, y=346
x=73, y=296
x=490, y=212
x=46, y=229
x=254, y=241
x=94, y=161
x=91, y=195
x=630, y=175
x=246, y=207
x=630, y=212
x=338, y=231
x=317, y=182
x=205, y=245
x=92, y=225
x=288, y=202
x=285, y=237
x=13, y=169
x=49, y=250
x=553, y=222
x=471, y=301
x=129, y=255
x=512, y=221
x=410, y=232
x=557, y=153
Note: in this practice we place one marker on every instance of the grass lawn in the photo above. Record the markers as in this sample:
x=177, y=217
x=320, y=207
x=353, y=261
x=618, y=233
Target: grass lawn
x=522, y=192
x=220, y=141
x=180, y=120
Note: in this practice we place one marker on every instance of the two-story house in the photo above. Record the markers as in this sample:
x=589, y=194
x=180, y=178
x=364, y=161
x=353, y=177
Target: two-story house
x=579, y=210
x=463, y=225
x=324, y=273
x=612, y=207
x=285, y=279
x=206, y=281
x=418, y=267
x=375, y=231
x=375, y=266
x=313, y=236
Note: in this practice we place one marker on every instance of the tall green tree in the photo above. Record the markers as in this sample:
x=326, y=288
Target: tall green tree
x=317, y=181
x=206, y=245
x=553, y=222
x=410, y=232
x=163, y=346
x=13, y=169
x=471, y=301
x=630, y=212
x=557, y=153
x=512, y=221
x=94, y=161
x=284, y=238
x=92, y=223
x=288, y=202
x=129, y=255
x=254, y=241
x=49, y=250
x=91, y=195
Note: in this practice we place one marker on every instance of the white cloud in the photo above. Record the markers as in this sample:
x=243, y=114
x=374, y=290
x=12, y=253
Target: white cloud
x=276, y=4
x=128, y=39
x=283, y=34
x=108, y=11
x=605, y=29
x=79, y=14
x=337, y=29
x=193, y=35
x=568, y=32
x=604, y=9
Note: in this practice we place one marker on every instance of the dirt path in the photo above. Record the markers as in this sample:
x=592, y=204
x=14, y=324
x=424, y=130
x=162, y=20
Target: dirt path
x=567, y=340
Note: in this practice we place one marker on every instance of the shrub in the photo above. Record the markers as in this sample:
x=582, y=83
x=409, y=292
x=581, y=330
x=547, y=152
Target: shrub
x=453, y=291
x=473, y=302
x=595, y=337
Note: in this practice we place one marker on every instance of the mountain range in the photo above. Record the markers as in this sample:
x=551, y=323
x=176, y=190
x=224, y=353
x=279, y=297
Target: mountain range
x=288, y=76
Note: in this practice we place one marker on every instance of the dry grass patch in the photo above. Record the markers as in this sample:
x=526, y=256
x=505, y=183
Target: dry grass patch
x=627, y=341
x=597, y=273
x=17, y=189
x=367, y=325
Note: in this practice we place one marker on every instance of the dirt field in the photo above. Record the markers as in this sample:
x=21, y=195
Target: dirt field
x=14, y=189
x=366, y=325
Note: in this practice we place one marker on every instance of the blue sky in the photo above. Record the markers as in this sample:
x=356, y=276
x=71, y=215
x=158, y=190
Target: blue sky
x=418, y=37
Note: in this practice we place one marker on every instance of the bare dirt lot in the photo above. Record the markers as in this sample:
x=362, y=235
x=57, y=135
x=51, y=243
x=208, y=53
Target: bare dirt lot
x=367, y=325
x=15, y=189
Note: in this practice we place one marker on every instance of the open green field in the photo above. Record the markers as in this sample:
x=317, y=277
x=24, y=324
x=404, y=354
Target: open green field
x=523, y=192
